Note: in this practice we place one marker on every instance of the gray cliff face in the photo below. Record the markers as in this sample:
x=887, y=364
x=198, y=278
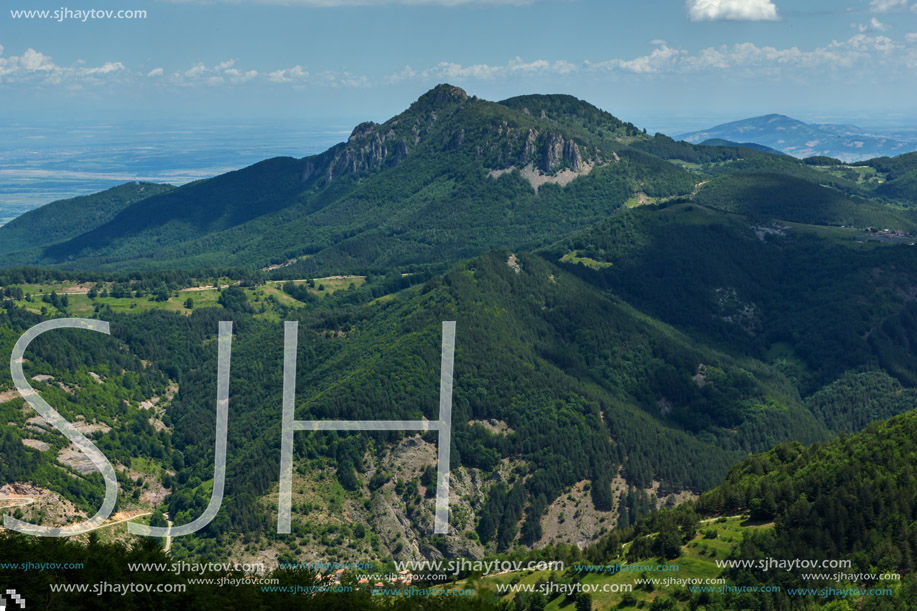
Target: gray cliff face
x=529, y=150
x=367, y=149
x=558, y=151
x=438, y=122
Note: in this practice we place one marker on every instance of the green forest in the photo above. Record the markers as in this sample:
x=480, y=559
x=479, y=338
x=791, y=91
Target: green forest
x=651, y=336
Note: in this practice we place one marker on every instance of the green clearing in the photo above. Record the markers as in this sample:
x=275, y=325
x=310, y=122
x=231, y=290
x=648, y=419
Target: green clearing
x=574, y=257
x=688, y=165
x=268, y=300
x=697, y=561
x=861, y=175
x=329, y=284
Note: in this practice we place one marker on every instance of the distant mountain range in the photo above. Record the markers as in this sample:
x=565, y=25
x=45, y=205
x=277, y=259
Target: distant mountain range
x=787, y=135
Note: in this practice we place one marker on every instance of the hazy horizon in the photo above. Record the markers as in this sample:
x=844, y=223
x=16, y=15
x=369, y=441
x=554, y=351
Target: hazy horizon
x=366, y=58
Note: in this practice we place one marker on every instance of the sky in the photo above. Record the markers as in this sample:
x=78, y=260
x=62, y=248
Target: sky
x=659, y=63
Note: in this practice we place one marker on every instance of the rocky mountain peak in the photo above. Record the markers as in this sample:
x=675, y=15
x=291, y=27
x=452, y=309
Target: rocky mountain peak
x=361, y=130
x=444, y=94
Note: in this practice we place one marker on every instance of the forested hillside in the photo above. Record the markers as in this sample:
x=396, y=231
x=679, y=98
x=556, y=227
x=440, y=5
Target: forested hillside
x=634, y=317
x=69, y=218
x=560, y=379
x=449, y=178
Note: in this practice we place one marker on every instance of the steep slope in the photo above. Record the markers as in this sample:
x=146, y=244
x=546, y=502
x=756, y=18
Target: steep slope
x=66, y=219
x=779, y=196
x=813, y=301
x=824, y=526
x=453, y=176
x=557, y=385
x=852, y=498
x=488, y=173
x=191, y=211
x=565, y=393
x=900, y=177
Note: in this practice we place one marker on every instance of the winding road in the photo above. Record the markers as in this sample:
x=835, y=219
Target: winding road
x=18, y=501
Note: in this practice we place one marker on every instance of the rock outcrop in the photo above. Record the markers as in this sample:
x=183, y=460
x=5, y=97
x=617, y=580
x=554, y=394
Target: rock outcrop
x=559, y=151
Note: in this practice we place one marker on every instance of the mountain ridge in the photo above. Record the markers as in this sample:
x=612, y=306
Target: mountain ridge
x=448, y=155
x=794, y=137
x=453, y=176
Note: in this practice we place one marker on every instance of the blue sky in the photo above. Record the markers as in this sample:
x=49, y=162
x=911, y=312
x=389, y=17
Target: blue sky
x=655, y=62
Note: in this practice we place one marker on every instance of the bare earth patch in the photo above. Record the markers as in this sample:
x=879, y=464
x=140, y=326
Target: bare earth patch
x=537, y=178
x=35, y=444
x=34, y=501
x=72, y=457
x=497, y=427
x=573, y=519
x=513, y=263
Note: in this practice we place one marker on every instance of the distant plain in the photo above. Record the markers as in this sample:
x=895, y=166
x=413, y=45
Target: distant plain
x=41, y=163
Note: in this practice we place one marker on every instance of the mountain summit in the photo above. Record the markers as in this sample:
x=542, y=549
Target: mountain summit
x=450, y=177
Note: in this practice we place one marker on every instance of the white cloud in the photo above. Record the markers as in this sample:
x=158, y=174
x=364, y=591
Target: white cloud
x=731, y=10
x=201, y=73
x=406, y=74
x=747, y=58
x=867, y=53
x=197, y=70
x=299, y=76
x=5, y=67
x=887, y=6
x=32, y=60
x=862, y=54
x=106, y=68
x=874, y=25
x=36, y=67
x=662, y=58
x=237, y=76
x=451, y=71
x=296, y=73
x=331, y=78
x=541, y=65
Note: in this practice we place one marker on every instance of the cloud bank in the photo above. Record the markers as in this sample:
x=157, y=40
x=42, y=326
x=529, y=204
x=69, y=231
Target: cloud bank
x=731, y=10
x=867, y=53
